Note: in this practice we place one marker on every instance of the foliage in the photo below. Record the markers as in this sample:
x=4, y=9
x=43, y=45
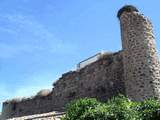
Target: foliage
x=117, y=108
x=76, y=109
x=121, y=108
x=149, y=109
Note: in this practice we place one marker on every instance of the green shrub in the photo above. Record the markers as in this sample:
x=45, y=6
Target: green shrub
x=99, y=113
x=149, y=109
x=121, y=108
x=117, y=108
x=76, y=109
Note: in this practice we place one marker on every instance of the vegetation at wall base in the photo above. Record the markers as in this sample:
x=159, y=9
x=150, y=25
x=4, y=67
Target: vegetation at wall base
x=117, y=108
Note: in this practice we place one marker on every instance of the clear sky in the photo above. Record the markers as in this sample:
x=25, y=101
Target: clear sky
x=41, y=39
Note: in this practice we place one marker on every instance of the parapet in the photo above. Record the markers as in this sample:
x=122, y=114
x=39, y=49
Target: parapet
x=92, y=59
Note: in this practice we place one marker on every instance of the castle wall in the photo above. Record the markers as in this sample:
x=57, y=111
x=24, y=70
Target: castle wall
x=134, y=71
x=141, y=63
x=28, y=106
x=101, y=79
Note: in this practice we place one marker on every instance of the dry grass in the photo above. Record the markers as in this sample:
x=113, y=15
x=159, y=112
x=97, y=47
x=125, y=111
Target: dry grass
x=44, y=93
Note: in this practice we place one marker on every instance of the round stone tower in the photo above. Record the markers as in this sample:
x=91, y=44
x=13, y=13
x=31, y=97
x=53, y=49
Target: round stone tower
x=141, y=63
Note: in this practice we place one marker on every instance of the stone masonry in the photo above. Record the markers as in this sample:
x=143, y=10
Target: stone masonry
x=101, y=79
x=141, y=63
x=133, y=71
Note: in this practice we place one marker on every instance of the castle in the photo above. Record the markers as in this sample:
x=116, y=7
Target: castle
x=133, y=71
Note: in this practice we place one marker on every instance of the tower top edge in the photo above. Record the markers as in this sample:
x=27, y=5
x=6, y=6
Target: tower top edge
x=127, y=8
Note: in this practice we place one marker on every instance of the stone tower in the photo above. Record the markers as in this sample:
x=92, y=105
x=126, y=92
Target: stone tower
x=141, y=63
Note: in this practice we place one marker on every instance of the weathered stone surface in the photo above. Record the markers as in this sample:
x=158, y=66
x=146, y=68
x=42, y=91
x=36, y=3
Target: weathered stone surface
x=101, y=79
x=141, y=63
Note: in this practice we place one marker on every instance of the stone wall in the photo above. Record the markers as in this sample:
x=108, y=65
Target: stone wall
x=141, y=63
x=27, y=106
x=101, y=79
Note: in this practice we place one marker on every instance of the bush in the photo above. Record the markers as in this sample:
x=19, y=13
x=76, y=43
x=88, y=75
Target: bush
x=76, y=109
x=121, y=108
x=99, y=113
x=117, y=108
x=149, y=109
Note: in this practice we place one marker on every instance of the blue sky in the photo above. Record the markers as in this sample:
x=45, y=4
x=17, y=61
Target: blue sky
x=41, y=39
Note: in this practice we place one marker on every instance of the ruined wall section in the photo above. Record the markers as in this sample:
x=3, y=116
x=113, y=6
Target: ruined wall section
x=27, y=106
x=65, y=89
x=101, y=79
x=141, y=63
